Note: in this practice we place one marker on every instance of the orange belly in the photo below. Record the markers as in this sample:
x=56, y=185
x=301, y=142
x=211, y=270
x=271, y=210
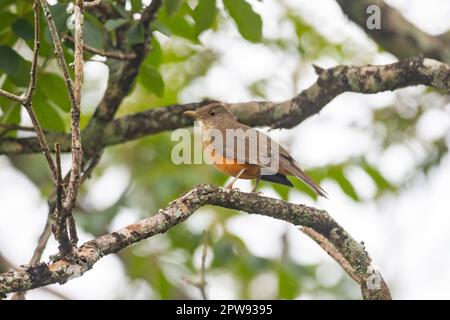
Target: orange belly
x=232, y=168
x=251, y=170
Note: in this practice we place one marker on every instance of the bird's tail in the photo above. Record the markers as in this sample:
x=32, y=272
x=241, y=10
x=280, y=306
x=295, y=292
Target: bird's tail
x=299, y=173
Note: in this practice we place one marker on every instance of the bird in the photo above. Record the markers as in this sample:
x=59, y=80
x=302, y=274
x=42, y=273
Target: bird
x=243, y=152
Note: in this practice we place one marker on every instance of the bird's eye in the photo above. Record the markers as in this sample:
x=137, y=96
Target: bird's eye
x=212, y=113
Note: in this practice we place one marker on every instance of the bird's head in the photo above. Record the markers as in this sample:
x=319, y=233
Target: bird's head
x=214, y=113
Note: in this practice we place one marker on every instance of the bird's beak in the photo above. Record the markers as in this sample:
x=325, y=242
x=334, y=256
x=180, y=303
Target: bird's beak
x=191, y=114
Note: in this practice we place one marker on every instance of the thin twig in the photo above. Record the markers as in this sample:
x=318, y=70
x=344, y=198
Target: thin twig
x=72, y=230
x=42, y=242
x=107, y=54
x=25, y=100
x=58, y=50
x=8, y=127
x=200, y=282
x=91, y=166
x=11, y=96
x=148, y=15
x=34, y=63
x=29, y=95
x=202, y=285
x=41, y=138
x=77, y=151
x=93, y=3
x=59, y=182
x=57, y=216
x=85, y=175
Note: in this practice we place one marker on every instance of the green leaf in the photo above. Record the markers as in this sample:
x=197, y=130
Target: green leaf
x=337, y=173
x=23, y=29
x=151, y=80
x=172, y=6
x=381, y=183
x=158, y=26
x=48, y=117
x=9, y=60
x=136, y=34
x=248, y=22
x=287, y=283
x=154, y=58
x=10, y=110
x=11, y=115
x=59, y=15
x=6, y=19
x=93, y=36
x=301, y=186
x=121, y=10
x=6, y=3
x=179, y=24
x=54, y=88
x=204, y=14
x=113, y=24
x=16, y=67
x=136, y=5
x=22, y=76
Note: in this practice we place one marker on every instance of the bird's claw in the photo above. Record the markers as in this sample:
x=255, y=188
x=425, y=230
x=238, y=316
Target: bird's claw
x=230, y=189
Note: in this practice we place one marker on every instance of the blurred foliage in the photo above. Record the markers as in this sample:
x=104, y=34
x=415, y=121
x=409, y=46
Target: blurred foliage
x=177, y=59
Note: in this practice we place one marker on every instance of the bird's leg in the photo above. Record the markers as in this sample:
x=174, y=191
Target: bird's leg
x=230, y=185
x=256, y=184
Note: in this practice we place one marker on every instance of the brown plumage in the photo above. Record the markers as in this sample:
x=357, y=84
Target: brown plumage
x=244, y=152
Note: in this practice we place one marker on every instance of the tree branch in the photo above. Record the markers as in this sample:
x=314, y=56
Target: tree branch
x=122, y=74
x=330, y=83
x=76, y=147
x=179, y=210
x=11, y=96
x=59, y=51
x=397, y=35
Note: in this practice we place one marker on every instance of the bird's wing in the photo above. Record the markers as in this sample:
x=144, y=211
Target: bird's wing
x=247, y=145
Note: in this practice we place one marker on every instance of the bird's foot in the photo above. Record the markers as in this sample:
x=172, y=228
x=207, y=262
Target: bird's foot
x=230, y=189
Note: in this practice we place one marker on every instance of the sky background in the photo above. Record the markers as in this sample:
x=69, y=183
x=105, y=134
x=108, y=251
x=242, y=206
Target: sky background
x=406, y=235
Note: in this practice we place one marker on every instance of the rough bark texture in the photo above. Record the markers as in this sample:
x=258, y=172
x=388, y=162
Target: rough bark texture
x=179, y=210
x=330, y=83
x=397, y=35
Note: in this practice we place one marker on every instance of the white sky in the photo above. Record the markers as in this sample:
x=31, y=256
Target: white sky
x=406, y=236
